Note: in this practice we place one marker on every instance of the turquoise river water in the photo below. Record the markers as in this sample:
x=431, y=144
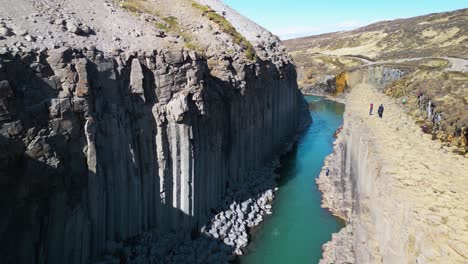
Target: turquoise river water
x=298, y=227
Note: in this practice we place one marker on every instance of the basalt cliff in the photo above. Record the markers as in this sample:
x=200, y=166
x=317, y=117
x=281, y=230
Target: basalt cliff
x=130, y=128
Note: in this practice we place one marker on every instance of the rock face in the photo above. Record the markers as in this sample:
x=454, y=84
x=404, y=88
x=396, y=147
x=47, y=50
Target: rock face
x=125, y=145
x=99, y=147
x=336, y=85
x=378, y=76
x=399, y=191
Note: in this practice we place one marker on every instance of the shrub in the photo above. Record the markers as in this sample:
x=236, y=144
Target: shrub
x=172, y=22
x=161, y=26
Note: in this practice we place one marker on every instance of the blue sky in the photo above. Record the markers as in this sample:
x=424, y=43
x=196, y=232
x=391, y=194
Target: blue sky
x=289, y=19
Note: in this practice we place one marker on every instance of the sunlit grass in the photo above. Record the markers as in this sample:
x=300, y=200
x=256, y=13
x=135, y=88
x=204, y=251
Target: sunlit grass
x=227, y=28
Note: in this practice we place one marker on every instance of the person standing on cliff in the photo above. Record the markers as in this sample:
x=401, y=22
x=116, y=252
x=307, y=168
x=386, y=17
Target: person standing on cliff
x=371, y=107
x=380, y=111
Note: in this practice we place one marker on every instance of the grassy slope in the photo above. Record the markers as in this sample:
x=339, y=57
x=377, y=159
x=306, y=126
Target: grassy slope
x=435, y=35
x=441, y=34
x=427, y=37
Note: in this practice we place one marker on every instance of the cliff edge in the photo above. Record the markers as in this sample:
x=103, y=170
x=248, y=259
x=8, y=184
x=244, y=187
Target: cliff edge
x=126, y=127
x=401, y=193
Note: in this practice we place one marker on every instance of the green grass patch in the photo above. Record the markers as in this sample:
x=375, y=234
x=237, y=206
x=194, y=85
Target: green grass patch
x=227, y=28
x=202, y=8
x=172, y=22
x=134, y=6
x=161, y=26
x=191, y=46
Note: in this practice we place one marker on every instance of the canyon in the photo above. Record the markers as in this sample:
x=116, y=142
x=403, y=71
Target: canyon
x=398, y=181
x=153, y=132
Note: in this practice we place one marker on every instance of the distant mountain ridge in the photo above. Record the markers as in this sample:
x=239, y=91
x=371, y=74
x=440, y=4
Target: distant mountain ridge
x=439, y=34
x=428, y=52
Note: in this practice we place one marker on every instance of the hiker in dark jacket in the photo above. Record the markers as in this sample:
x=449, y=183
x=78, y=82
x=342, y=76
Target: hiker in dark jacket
x=380, y=111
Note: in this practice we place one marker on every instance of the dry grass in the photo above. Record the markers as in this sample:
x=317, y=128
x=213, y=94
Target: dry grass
x=227, y=28
x=168, y=23
x=134, y=6
x=431, y=35
x=172, y=23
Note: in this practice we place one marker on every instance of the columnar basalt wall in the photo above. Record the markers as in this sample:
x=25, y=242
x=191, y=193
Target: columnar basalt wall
x=394, y=212
x=380, y=76
x=355, y=191
x=100, y=147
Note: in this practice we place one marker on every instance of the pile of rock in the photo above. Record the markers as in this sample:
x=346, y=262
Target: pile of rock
x=72, y=26
x=231, y=225
x=220, y=240
x=7, y=29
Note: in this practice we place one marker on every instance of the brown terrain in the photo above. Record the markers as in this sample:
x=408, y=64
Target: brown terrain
x=428, y=52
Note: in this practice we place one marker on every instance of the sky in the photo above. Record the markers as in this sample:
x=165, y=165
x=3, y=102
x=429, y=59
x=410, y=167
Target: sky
x=298, y=18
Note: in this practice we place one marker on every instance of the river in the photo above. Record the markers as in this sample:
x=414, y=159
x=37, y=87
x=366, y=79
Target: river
x=299, y=227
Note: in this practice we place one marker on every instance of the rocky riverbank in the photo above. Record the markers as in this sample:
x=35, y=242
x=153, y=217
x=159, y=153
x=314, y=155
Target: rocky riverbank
x=337, y=197
x=224, y=236
x=219, y=241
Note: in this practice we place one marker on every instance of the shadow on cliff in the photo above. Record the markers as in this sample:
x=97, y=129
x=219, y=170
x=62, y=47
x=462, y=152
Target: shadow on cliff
x=31, y=192
x=37, y=169
x=44, y=197
x=57, y=208
x=32, y=223
x=148, y=198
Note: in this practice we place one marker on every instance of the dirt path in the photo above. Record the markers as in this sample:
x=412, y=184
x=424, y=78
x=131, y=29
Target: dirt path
x=426, y=178
x=455, y=64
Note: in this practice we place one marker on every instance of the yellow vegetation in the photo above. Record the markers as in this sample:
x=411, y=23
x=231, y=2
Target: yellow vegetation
x=134, y=6
x=227, y=28
x=445, y=35
x=341, y=83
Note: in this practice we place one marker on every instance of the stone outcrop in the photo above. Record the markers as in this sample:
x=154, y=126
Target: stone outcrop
x=379, y=76
x=97, y=148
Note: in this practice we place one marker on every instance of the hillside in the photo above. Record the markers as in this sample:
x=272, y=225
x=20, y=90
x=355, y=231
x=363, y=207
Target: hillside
x=434, y=35
x=441, y=34
x=429, y=51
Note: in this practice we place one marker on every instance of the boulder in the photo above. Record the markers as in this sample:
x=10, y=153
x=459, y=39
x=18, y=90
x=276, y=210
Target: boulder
x=5, y=32
x=74, y=28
